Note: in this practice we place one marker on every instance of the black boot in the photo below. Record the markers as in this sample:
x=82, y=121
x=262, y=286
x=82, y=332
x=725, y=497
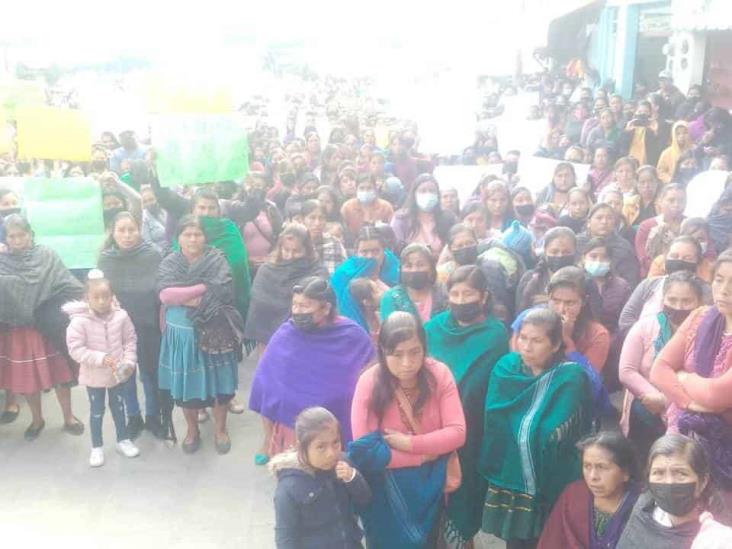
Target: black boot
x=153, y=424
x=134, y=426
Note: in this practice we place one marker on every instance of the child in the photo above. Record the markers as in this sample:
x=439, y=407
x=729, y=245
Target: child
x=102, y=339
x=316, y=488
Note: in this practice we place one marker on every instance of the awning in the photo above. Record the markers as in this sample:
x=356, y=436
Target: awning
x=568, y=36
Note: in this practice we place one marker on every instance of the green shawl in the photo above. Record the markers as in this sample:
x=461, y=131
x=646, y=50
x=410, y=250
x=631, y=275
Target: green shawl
x=397, y=299
x=532, y=424
x=470, y=352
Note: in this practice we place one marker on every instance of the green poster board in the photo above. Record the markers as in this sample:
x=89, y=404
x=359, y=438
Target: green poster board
x=199, y=148
x=66, y=215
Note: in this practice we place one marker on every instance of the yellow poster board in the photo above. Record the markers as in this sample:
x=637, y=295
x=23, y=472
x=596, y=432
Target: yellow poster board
x=165, y=95
x=14, y=92
x=53, y=133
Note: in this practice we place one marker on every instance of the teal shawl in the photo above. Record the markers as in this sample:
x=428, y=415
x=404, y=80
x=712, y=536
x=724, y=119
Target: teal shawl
x=397, y=299
x=532, y=424
x=470, y=352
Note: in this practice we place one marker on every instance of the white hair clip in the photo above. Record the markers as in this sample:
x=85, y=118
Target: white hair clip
x=95, y=274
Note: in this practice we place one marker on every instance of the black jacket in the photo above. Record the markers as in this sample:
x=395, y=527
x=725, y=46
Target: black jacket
x=316, y=510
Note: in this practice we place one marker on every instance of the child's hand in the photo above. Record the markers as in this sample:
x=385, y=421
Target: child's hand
x=109, y=361
x=344, y=471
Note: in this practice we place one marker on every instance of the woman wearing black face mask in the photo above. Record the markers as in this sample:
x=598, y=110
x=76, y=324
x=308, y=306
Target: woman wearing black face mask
x=523, y=205
x=680, y=489
x=469, y=341
x=313, y=359
x=461, y=249
x=418, y=292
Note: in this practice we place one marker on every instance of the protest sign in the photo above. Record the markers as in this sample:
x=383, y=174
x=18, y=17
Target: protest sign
x=53, y=133
x=199, y=148
x=464, y=179
x=20, y=92
x=66, y=215
x=168, y=95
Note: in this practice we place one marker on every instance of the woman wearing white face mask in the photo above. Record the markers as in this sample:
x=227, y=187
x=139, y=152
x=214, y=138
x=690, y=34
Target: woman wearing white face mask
x=365, y=208
x=422, y=219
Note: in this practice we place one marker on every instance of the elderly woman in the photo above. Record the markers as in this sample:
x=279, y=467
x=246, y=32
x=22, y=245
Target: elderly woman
x=314, y=359
x=419, y=293
x=469, y=340
x=201, y=343
x=34, y=283
x=131, y=266
x=407, y=419
x=293, y=259
x=536, y=410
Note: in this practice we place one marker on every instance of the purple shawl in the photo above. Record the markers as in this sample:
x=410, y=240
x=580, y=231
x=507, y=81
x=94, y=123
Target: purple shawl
x=708, y=341
x=301, y=369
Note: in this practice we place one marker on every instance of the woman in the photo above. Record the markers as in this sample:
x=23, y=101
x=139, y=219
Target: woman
x=373, y=260
x=655, y=233
x=201, y=343
x=260, y=234
x=611, y=289
x=693, y=372
x=497, y=201
x=475, y=216
x=329, y=161
x=536, y=409
x=624, y=174
x=687, y=167
x=644, y=406
x=293, y=259
x=592, y=512
x=34, y=283
x=330, y=201
x=422, y=220
x=131, y=266
x=648, y=188
x=366, y=296
x=560, y=250
x=330, y=250
x=601, y=173
x=698, y=229
x=684, y=254
x=522, y=202
x=366, y=208
x=602, y=222
x=406, y=419
x=578, y=207
x=640, y=135
x=461, y=249
x=419, y=293
x=606, y=133
x=468, y=340
x=680, y=143
x=556, y=194
x=680, y=489
x=313, y=359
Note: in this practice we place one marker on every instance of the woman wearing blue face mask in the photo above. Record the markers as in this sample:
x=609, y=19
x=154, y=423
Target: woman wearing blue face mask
x=612, y=289
x=422, y=220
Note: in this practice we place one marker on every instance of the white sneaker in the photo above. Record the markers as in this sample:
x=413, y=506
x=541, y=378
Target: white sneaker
x=127, y=449
x=96, y=458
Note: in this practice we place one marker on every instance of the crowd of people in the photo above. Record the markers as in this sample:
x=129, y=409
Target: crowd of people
x=427, y=369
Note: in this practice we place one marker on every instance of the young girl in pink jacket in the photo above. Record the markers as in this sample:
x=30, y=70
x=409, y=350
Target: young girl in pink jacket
x=102, y=339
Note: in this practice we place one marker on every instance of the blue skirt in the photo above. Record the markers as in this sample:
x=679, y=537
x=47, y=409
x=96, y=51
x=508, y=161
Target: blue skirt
x=193, y=377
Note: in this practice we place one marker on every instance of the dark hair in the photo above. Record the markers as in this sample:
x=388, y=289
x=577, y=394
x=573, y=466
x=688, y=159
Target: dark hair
x=335, y=197
x=309, y=206
x=19, y=222
x=109, y=242
x=119, y=196
x=205, y=194
x=474, y=277
x=319, y=289
x=424, y=251
x=459, y=228
x=694, y=224
x=298, y=232
x=691, y=241
x=597, y=242
x=309, y=424
x=603, y=206
x=369, y=232
x=552, y=324
x=619, y=447
x=556, y=233
x=519, y=190
x=670, y=187
x=443, y=219
x=574, y=278
x=684, y=277
x=564, y=166
x=399, y=327
x=360, y=290
x=675, y=444
x=472, y=207
x=724, y=257
x=188, y=220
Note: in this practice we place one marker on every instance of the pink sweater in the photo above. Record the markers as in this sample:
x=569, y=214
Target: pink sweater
x=441, y=419
x=91, y=338
x=636, y=360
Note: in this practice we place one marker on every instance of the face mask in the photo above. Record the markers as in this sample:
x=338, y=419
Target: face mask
x=366, y=197
x=426, y=201
x=676, y=499
x=675, y=265
x=557, y=262
x=675, y=316
x=466, y=256
x=466, y=312
x=304, y=321
x=525, y=210
x=418, y=280
x=597, y=268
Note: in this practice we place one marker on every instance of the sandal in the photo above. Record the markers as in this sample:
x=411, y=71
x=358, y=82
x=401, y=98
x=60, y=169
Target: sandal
x=193, y=446
x=261, y=459
x=31, y=433
x=222, y=447
x=9, y=416
x=235, y=407
x=76, y=428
